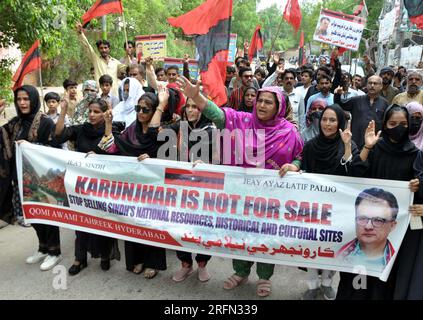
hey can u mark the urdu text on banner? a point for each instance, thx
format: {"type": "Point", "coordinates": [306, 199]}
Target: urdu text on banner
{"type": "Point", "coordinates": [306, 220]}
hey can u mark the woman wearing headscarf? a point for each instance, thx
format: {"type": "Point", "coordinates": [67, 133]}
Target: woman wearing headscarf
{"type": "Point", "coordinates": [409, 283]}
{"type": "Point", "coordinates": [140, 140]}
{"type": "Point", "coordinates": [130, 92]}
{"type": "Point", "coordinates": [282, 147]}
{"type": "Point", "coordinates": [31, 125]}
{"type": "Point", "coordinates": [6, 190]}
{"type": "Point", "coordinates": [313, 115]}
{"type": "Point", "coordinates": [89, 92]}
{"type": "Point", "coordinates": [415, 110]}
{"type": "Point", "coordinates": [86, 137]}
{"type": "Point", "coordinates": [247, 103]}
{"type": "Point", "coordinates": [390, 157]}
{"type": "Point", "coordinates": [202, 128]}
{"type": "Point", "coordinates": [330, 152]}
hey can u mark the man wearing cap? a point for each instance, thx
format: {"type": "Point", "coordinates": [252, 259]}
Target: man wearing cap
{"type": "Point", "coordinates": [388, 91]}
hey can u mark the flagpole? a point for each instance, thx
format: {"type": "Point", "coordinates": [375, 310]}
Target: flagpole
{"type": "Point", "coordinates": [126, 36]}
{"type": "Point", "coordinates": [274, 39]}
{"type": "Point", "coordinates": [41, 82]}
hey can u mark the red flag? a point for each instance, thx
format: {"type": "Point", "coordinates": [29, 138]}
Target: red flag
{"type": "Point", "coordinates": [256, 43]}
{"type": "Point", "coordinates": [292, 14]}
{"type": "Point", "coordinates": [210, 23]}
{"type": "Point", "coordinates": [361, 10]}
{"type": "Point", "coordinates": [101, 8]}
{"type": "Point", "coordinates": [30, 62]}
{"type": "Point", "coordinates": [415, 12]}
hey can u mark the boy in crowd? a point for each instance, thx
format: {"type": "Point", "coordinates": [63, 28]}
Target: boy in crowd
{"type": "Point", "coordinates": [106, 83]}
{"type": "Point", "coordinates": [52, 100]}
{"type": "Point", "coordinates": [71, 91]}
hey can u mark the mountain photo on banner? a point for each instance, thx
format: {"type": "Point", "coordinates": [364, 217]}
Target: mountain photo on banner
{"type": "Point", "coordinates": [210, 23]}
{"type": "Point", "coordinates": [101, 8]}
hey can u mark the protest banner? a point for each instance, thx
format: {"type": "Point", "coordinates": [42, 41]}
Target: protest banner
{"type": "Point", "coordinates": [339, 29]}
{"type": "Point", "coordinates": [232, 47]}
{"type": "Point", "coordinates": [192, 66]}
{"type": "Point", "coordinates": [387, 25]}
{"type": "Point", "coordinates": [306, 220]}
{"type": "Point", "coordinates": [151, 46]}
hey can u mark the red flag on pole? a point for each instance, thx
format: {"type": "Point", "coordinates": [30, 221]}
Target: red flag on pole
{"type": "Point", "coordinates": [292, 14]}
{"type": "Point", "coordinates": [256, 43]}
{"type": "Point", "coordinates": [210, 24]}
{"type": "Point", "coordinates": [415, 12]}
{"type": "Point", "coordinates": [101, 8]}
{"type": "Point", "coordinates": [30, 62]}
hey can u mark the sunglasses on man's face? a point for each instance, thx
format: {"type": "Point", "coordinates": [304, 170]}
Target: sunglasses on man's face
{"type": "Point", "coordinates": [141, 109]}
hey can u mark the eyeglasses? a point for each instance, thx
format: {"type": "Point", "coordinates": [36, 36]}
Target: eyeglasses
{"type": "Point", "coordinates": [377, 222]}
{"type": "Point", "coordinates": [248, 76]}
{"type": "Point", "coordinates": [133, 74]}
{"type": "Point", "coordinates": [138, 109]}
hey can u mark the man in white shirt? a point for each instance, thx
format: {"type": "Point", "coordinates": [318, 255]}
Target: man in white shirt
{"type": "Point", "coordinates": [103, 63]}
{"type": "Point", "coordinates": [287, 79]}
{"type": "Point", "coordinates": [306, 79]}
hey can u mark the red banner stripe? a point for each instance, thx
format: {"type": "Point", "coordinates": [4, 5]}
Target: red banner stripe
{"type": "Point", "coordinates": [194, 184]}
{"type": "Point", "coordinates": [208, 174]}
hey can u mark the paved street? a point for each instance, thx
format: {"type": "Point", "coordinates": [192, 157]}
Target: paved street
{"type": "Point", "coordinates": [22, 281]}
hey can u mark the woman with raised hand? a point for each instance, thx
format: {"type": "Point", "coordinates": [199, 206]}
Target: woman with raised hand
{"type": "Point", "coordinates": [86, 137]}
{"type": "Point", "coordinates": [332, 152]}
{"type": "Point", "coordinates": [388, 154]}
{"type": "Point", "coordinates": [140, 140]}
{"type": "Point", "coordinates": [282, 150]}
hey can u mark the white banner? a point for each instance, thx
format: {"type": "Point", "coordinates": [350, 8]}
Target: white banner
{"type": "Point", "coordinates": [307, 220]}
{"type": "Point", "coordinates": [339, 29]}
{"type": "Point", "coordinates": [387, 25]}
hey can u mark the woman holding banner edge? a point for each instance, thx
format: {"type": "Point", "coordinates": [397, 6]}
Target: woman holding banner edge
{"type": "Point", "coordinates": [283, 146]}
{"type": "Point", "coordinates": [86, 137]}
{"type": "Point", "coordinates": [333, 152]}
{"type": "Point", "coordinates": [379, 156]}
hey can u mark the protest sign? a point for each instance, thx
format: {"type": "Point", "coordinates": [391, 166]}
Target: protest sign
{"type": "Point", "coordinates": [192, 66]}
{"type": "Point", "coordinates": [232, 47]}
{"type": "Point", "coordinates": [306, 220]}
{"type": "Point", "coordinates": [339, 29]}
{"type": "Point", "coordinates": [151, 46]}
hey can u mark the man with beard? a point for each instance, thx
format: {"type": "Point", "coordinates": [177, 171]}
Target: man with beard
{"type": "Point", "coordinates": [103, 64]}
{"type": "Point", "coordinates": [246, 76]}
{"type": "Point", "coordinates": [413, 93]}
{"type": "Point", "coordinates": [388, 91]}
{"type": "Point", "coordinates": [364, 108]}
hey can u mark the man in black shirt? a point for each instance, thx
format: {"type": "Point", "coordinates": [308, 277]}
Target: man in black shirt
{"type": "Point", "coordinates": [365, 108]}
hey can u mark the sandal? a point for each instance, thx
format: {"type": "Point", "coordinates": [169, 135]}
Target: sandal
{"type": "Point", "coordinates": [264, 288]}
{"type": "Point", "coordinates": [150, 273]}
{"type": "Point", "coordinates": [138, 268]}
{"type": "Point", "coordinates": [234, 281]}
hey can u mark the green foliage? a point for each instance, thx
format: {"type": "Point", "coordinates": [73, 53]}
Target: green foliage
{"type": "Point", "coordinates": [5, 79]}
{"type": "Point", "coordinates": [53, 22]}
